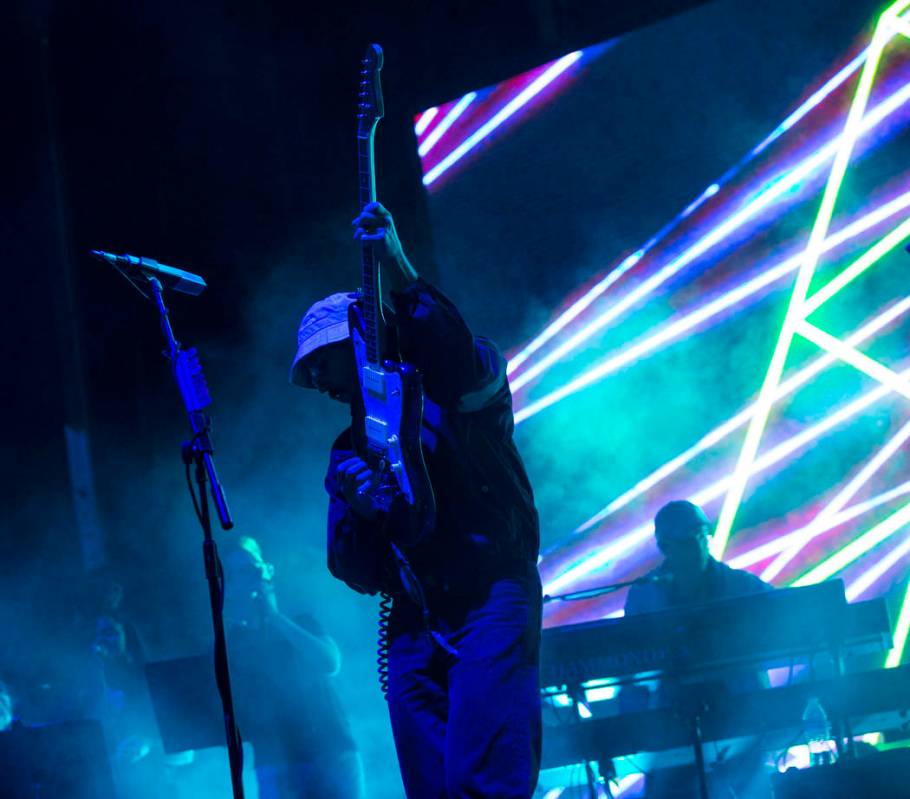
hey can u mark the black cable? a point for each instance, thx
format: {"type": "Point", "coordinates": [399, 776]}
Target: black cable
{"type": "Point", "coordinates": [189, 448]}
{"type": "Point", "coordinates": [219, 576]}
{"type": "Point", "coordinates": [382, 660]}
{"type": "Point", "coordinates": [132, 281]}
{"type": "Point", "coordinates": [608, 790]}
{"type": "Point", "coordinates": [635, 765]}
{"type": "Point", "coordinates": [561, 715]}
{"type": "Point", "coordinates": [189, 485]}
{"type": "Point", "coordinates": [414, 589]}
{"type": "Point", "coordinates": [783, 753]}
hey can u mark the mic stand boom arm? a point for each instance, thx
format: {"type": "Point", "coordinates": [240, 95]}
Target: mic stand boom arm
{"type": "Point", "coordinates": [590, 593]}
{"type": "Point", "coordinates": [187, 373]}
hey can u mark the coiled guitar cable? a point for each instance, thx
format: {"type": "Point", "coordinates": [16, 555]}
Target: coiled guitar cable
{"type": "Point", "coordinates": [414, 590]}
{"type": "Point", "coordinates": [382, 660]}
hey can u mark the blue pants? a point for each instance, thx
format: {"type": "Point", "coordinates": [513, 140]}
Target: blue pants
{"type": "Point", "coordinates": [469, 726]}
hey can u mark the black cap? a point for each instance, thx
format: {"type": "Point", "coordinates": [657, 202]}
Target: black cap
{"type": "Point", "coordinates": [680, 519]}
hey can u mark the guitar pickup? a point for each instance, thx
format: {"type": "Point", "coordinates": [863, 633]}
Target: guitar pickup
{"type": "Point", "coordinates": [373, 380]}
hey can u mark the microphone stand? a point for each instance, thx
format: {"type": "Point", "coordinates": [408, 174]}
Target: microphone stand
{"type": "Point", "coordinates": [198, 451]}
{"type": "Point", "coordinates": [590, 593]}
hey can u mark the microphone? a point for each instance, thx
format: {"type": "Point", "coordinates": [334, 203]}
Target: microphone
{"type": "Point", "coordinates": [170, 277]}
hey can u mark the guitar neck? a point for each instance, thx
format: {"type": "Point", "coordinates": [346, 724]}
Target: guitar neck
{"type": "Point", "coordinates": [369, 264]}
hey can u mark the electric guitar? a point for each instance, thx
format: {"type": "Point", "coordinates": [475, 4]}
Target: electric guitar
{"type": "Point", "coordinates": [392, 391]}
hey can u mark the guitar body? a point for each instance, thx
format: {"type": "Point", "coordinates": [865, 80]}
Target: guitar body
{"type": "Point", "coordinates": [391, 391]}
{"type": "Point", "coordinates": [392, 396]}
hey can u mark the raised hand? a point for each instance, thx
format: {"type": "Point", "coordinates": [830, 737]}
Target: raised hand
{"type": "Point", "coordinates": [375, 225]}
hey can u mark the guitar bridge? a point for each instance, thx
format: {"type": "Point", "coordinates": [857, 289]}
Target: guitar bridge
{"type": "Point", "coordinates": [377, 432]}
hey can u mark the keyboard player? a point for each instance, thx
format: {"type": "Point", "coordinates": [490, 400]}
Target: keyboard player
{"type": "Point", "coordinates": [689, 575]}
{"type": "Point", "coordinates": [682, 533]}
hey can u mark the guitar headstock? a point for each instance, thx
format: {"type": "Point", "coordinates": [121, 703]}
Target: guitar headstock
{"type": "Point", "coordinates": [370, 108]}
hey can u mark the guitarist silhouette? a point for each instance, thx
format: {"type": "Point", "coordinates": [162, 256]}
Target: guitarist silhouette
{"type": "Point", "coordinates": [456, 549]}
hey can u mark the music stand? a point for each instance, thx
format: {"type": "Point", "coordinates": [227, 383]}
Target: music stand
{"type": "Point", "coordinates": [187, 708]}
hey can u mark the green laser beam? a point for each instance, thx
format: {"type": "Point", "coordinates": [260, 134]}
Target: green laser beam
{"type": "Point", "coordinates": [856, 548]}
{"type": "Point", "coordinates": [896, 655]}
{"type": "Point", "coordinates": [796, 310]}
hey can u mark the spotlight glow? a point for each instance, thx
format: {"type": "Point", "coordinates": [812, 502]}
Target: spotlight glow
{"type": "Point", "coordinates": [815, 100]}
{"type": "Point", "coordinates": [896, 655]}
{"type": "Point", "coordinates": [891, 447]}
{"type": "Point", "coordinates": [796, 381]}
{"type": "Point", "coordinates": [674, 330]}
{"type": "Point", "coordinates": [575, 310]}
{"type": "Point", "coordinates": [868, 259]}
{"type": "Point", "coordinates": [514, 105]}
{"type": "Point", "coordinates": [900, 26]}
{"type": "Point", "coordinates": [624, 543]}
{"type": "Point", "coordinates": [872, 575]}
{"type": "Point", "coordinates": [447, 121]}
{"type": "Point", "coordinates": [856, 359]}
{"type": "Point", "coordinates": [803, 535]}
{"type": "Point", "coordinates": [707, 245]}
{"type": "Point", "coordinates": [852, 130]}
{"type": "Point", "coordinates": [580, 305]}
{"type": "Point", "coordinates": [771, 192]}
{"type": "Point", "coordinates": [857, 548]}
{"type": "Point", "coordinates": [628, 783]}
{"type": "Point", "coordinates": [424, 120]}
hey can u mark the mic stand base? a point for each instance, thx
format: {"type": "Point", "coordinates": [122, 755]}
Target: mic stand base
{"type": "Point", "coordinates": [214, 575]}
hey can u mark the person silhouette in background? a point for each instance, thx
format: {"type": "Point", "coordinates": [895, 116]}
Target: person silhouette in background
{"type": "Point", "coordinates": [282, 670]}
{"type": "Point", "coordinates": [115, 671]}
{"type": "Point", "coordinates": [690, 575]}
{"type": "Point", "coordinates": [682, 532]}
{"type": "Point", "coordinates": [7, 715]}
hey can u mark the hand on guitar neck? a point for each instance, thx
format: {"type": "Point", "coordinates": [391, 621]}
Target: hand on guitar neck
{"type": "Point", "coordinates": [357, 480]}
{"type": "Point", "coordinates": [376, 228]}
{"type": "Point", "coordinates": [391, 391]}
